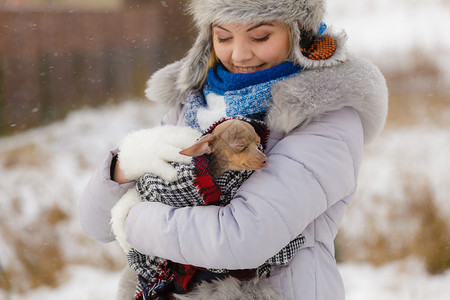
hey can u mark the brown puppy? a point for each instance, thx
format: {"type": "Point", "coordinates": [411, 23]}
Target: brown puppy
{"type": "Point", "coordinates": [232, 145]}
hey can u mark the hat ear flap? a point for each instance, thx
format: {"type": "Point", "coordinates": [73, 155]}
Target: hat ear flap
{"type": "Point", "coordinates": [193, 69]}
{"type": "Point", "coordinates": [296, 56]}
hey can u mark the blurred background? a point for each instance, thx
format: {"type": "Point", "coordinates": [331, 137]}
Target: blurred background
{"type": "Point", "coordinates": [72, 80]}
{"type": "Point", "coordinates": [57, 56]}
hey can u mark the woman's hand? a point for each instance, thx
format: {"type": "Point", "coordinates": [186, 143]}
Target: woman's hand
{"type": "Point", "coordinates": [118, 174]}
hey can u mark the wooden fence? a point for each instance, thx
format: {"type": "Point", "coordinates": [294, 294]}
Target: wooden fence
{"type": "Point", "coordinates": [53, 62]}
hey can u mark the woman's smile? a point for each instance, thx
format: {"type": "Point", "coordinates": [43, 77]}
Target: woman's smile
{"type": "Point", "coordinates": [241, 69]}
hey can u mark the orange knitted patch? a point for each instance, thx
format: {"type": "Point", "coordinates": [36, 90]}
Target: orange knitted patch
{"type": "Point", "coordinates": [321, 48]}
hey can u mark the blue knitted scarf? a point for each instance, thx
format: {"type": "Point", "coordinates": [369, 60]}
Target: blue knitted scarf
{"type": "Point", "coordinates": [226, 94]}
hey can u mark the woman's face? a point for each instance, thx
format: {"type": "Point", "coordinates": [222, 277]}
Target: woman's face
{"type": "Point", "coordinates": [252, 47]}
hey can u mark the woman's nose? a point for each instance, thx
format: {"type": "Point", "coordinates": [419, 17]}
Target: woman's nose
{"type": "Point", "coordinates": [241, 52]}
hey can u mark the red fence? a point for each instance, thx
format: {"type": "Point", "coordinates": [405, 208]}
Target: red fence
{"type": "Point", "coordinates": [52, 62]}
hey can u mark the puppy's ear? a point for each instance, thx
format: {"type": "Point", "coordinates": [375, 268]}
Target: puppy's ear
{"type": "Point", "coordinates": [202, 146]}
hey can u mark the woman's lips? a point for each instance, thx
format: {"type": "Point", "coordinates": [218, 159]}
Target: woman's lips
{"type": "Point", "coordinates": [247, 69]}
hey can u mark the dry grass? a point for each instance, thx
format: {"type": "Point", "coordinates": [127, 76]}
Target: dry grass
{"type": "Point", "coordinates": [29, 155]}
{"type": "Point", "coordinates": [54, 215]}
{"type": "Point", "coordinates": [432, 242]}
{"type": "Point", "coordinates": [40, 259]}
{"type": "Point", "coordinates": [39, 254]}
{"type": "Point", "coordinates": [419, 108]}
{"type": "Point", "coordinates": [418, 94]}
{"type": "Point", "coordinates": [429, 241]}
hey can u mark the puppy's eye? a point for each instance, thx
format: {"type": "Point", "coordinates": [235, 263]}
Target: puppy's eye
{"type": "Point", "coordinates": [260, 147]}
{"type": "Point", "coordinates": [240, 147]}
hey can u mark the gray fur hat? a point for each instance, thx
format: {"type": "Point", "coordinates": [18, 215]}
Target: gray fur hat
{"type": "Point", "coordinates": [309, 13]}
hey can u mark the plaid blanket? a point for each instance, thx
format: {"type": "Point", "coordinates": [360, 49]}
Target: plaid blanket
{"type": "Point", "coordinates": [194, 186]}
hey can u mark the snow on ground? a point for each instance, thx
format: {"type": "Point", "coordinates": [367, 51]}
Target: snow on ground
{"type": "Point", "coordinates": [397, 281]}
{"type": "Point", "coordinates": [83, 283]}
{"type": "Point", "coordinates": [403, 280]}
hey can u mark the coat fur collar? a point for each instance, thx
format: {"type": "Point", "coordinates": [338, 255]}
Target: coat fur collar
{"type": "Point", "coordinates": [297, 101]}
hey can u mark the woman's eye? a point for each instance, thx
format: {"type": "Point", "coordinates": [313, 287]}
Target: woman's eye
{"type": "Point", "coordinates": [262, 39]}
{"type": "Point", "coordinates": [223, 39]}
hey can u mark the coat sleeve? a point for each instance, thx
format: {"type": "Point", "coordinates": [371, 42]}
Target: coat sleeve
{"type": "Point", "coordinates": [309, 170]}
{"type": "Point", "coordinates": [99, 196]}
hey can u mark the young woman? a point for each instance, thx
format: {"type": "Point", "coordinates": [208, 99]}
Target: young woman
{"type": "Point", "coordinates": [271, 60]}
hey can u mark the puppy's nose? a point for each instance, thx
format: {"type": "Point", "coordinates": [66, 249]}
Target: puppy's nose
{"type": "Point", "coordinates": [264, 161]}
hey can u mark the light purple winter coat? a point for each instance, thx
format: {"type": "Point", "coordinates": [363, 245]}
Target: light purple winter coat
{"type": "Point", "coordinates": [319, 122]}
